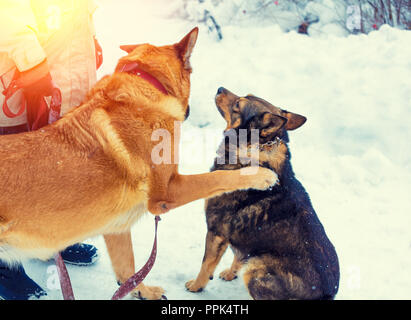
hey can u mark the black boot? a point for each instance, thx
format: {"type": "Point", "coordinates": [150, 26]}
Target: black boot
{"type": "Point", "coordinates": [80, 254]}
{"type": "Point", "coordinates": [16, 285]}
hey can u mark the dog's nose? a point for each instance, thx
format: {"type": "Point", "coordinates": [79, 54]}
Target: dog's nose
{"type": "Point", "coordinates": [220, 90]}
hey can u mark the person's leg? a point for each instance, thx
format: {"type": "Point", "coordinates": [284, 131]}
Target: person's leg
{"type": "Point", "coordinates": [15, 284]}
{"type": "Point", "coordinates": [13, 130]}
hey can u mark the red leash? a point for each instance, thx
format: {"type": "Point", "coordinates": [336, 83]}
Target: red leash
{"type": "Point", "coordinates": [138, 277]}
{"type": "Point", "coordinates": [8, 92]}
{"type": "Point", "coordinates": [64, 277]}
{"type": "Point", "coordinates": [124, 289]}
{"type": "Point", "coordinates": [41, 107]}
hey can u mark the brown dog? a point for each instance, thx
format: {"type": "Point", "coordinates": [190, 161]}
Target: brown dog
{"type": "Point", "coordinates": [92, 173]}
{"type": "Point", "coordinates": [275, 232]}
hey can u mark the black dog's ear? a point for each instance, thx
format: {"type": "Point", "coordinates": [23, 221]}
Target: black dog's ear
{"type": "Point", "coordinates": [294, 120]}
{"type": "Point", "coordinates": [272, 123]}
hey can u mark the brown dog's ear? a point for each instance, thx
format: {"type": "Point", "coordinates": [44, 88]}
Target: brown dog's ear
{"type": "Point", "coordinates": [272, 123]}
{"type": "Point", "coordinates": [128, 47]}
{"type": "Point", "coordinates": [294, 120]}
{"type": "Point", "coordinates": [185, 47]}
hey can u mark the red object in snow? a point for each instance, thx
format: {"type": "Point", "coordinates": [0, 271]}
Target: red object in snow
{"type": "Point", "coordinates": [276, 3]}
{"type": "Point", "coordinates": [374, 26]}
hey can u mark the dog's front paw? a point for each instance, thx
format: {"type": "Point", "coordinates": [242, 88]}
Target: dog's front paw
{"type": "Point", "coordinates": [228, 275]}
{"type": "Point", "coordinates": [149, 293]}
{"type": "Point", "coordinates": [260, 178]}
{"type": "Point", "coordinates": [193, 286]}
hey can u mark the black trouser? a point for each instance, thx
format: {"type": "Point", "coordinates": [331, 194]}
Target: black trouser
{"type": "Point", "coordinates": [6, 270]}
{"type": "Point", "coordinates": [13, 130]}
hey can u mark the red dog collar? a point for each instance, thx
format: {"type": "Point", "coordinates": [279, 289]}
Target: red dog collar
{"type": "Point", "coordinates": [133, 68]}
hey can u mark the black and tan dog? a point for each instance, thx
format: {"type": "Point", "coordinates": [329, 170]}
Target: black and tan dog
{"type": "Point", "coordinates": [276, 232]}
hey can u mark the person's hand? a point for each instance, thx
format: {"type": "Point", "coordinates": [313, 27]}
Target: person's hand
{"type": "Point", "coordinates": [43, 87]}
{"type": "Point", "coordinates": [99, 53]}
{"type": "Point", "coordinates": [37, 84]}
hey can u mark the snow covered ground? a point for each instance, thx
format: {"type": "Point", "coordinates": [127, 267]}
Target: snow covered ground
{"type": "Point", "coordinates": [353, 155]}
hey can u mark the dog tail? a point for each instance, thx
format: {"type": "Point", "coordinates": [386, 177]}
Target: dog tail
{"type": "Point", "coordinates": [262, 284]}
{"type": "Point", "coordinates": [265, 279]}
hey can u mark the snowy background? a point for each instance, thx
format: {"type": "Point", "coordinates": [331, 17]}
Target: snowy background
{"type": "Point", "coordinates": [353, 155]}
